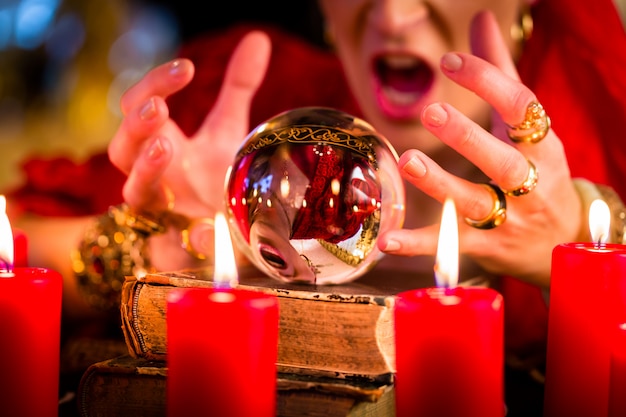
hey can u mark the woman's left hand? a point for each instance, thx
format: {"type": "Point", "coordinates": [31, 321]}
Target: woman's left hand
{"type": "Point", "coordinates": [537, 221]}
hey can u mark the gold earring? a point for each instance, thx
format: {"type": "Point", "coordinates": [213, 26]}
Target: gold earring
{"type": "Point", "coordinates": [522, 30]}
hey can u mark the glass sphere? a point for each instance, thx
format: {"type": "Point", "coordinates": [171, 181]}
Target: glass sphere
{"type": "Point", "coordinates": [310, 191]}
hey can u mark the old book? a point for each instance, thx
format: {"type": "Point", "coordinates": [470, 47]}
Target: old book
{"type": "Point", "coordinates": [342, 330]}
{"type": "Point", "coordinates": [127, 386]}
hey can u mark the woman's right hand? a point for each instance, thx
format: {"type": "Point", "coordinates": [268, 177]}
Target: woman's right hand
{"type": "Point", "coordinates": [168, 170]}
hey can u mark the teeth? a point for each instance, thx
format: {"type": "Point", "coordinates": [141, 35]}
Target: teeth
{"type": "Point", "coordinates": [400, 61]}
{"type": "Point", "coordinates": [399, 97]}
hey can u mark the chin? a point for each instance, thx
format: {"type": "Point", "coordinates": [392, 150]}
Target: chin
{"type": "Point", "coordinates": [406, 134]}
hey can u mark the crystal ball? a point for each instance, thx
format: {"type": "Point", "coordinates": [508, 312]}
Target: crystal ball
{"type": "Point", "coordinates": [309, 193]}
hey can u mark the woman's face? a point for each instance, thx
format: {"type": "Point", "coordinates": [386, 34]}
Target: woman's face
{"type": "Point", "coordinates": [391, 50]}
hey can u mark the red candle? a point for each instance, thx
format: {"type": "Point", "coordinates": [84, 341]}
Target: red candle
{"type": "Point", "coordinates": [222, 345]}
{"type": "Point", "coordinates": [617, 377]}
{"type": "Point", "coordinates": [30, 322]}
{"type": "Point", "coordinates": [617, 381]}
{"type": "Point", "coordinates": [584, 298]}
{"type": "Point", "coordinates": [449, 343]}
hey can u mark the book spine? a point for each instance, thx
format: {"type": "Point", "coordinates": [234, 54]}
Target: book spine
{"type": "Point", "coordinates": [145, 337]}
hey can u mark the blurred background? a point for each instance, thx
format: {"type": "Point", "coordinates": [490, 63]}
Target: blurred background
{"type": "Point", "coordinates": [65, 63]}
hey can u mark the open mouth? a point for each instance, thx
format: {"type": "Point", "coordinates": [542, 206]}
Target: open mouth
{"type": "Point", "coordinates": [402, 80]}
{"type": "Point", "coordinates": [272, 256]}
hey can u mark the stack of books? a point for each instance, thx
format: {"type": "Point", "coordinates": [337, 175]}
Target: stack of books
{"type": "Point", "coordinates": [336, 347]}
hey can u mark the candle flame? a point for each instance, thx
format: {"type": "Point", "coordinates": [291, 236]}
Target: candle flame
{"type": "Point", "coordinates": [6, 238]}
{"type": "Point", "coordinates": [447, 262]}
{"type": "Point", "coordinates": [599, 222]}
{"type": "Point", "coordinates": [225, 275]}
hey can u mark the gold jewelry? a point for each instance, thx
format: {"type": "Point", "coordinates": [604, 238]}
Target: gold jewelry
{"type": "Point", "coordinates": [529, 183]}
{"type": "Point", "coordinates": [186, 238]}
{"type": "Point", "coordinates": [522, 30]}
{"type": "Point", "coordinates": [498, 212]}
{"type": "Point", "coordinates": [171, 198]}
{"type": "Point", "coordinates": [534, 128]}
{"type": "Point", "coordinates": [112, 248]}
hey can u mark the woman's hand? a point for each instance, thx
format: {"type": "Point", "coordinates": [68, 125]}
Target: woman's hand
{"type": "Point", "coordinates": [536, 222]}
{"type": "Point", "coordinates": [167, 170]}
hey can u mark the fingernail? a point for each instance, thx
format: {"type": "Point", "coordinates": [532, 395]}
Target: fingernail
{"type": "Point", "coordinates": [415, 167]}
{"type": "Point", "coordinates": [176, 67]}
{"type": "Point", "coordinates": [155, 150]}
{"type": "Point", "coordinates": [392, 245]}
{"type": "Point", "coordinates": [435, 115]}
{"type": "Point", "coordinates": [148, 111]}
{"type": "Point", "coordinates": [451, 62]}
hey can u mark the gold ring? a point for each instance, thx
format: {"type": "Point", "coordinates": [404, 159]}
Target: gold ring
{"type": "Point", "coordinates": [185, 236]}
{"type": "Point", "coordinates": [529, 183]}
{"type": "Point", "coordinates": [534, 128]}
{"type": "Point", "coordinates": [171, 198]}
{"type": "Point", "coordinates": [498, 212]}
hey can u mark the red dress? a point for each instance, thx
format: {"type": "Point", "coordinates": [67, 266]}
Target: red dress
{"type": "Point", "coordinates": [575, 63]}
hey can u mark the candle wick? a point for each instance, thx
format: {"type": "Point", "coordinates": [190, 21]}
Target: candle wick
{"type": "Point", "coordinates": [225, 285]}
{"type": "Point", "coordinates": [600, 244]}
{"type": "Point", "coordinates": [5, 266]}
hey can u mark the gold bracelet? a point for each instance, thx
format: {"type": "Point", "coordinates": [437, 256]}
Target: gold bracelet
{"type": "Point", "coordinates": [588, 192]}
{"type": "Point", "coordinates": [114, 247]}
{"type": "Point", "coordinates": [618, 213]}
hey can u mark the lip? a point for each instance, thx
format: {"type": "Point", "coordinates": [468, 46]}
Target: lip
{"type": "Point", "coordinates": [401, 81]}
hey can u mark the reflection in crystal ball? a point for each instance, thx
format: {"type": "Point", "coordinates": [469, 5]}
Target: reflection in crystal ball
{"type": "Point", "coordinates": [309, 193]}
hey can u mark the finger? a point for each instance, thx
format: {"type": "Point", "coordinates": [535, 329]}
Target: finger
{"type": "Point", "coordinates": [141, 122]}
{"type": "Point", "coordinates": [488, 43]}
{"type": "Point", "coordinates": [244, 74]}
{"type": "Point", "coordinates": [162, 81]}
{"type": "Point", "coordinates": [500, 162]}
{"type": "Point", "coordinates": [144, 189]}
{"type": "Point", "coordinates": [407, 242]}
{"type": "Point", "coordinates": [508, 97]}
{"type": "Point", "coordinates": [472, 200]}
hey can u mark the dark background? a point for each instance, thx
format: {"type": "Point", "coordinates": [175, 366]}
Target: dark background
{"type": "Point", "coordinates": [301, 17]}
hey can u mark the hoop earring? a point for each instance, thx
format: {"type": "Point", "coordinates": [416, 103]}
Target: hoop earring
{"type": "Point", "coordinates": [522, 30]}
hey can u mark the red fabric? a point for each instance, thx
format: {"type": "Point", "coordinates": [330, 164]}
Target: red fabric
{"type": "Point", "coordinates": [576, 64]}
{"type": "Point", "coordinates": [340, 221]}
{"type": "Point", "coordinates": [62, 187]}
{"type": "Point", "coordinates": [299, 75]}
